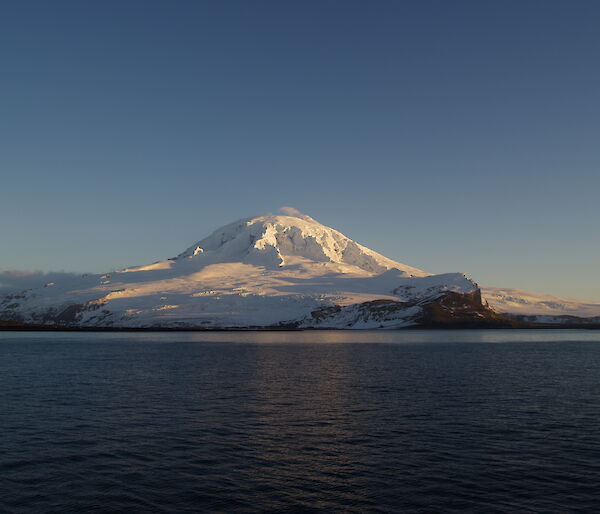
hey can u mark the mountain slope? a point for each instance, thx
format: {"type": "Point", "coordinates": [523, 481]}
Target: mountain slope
{"type": "Point", "coordinates": [540, 308]}
{"type": "Point", "coordinates": [276, 241]}
{"type": "Point", "coordinates": [266, 271]}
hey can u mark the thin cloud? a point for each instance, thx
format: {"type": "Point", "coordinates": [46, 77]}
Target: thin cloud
{"type": "Point", "coordinates": [12, 281]}
{"type": "Point", "coordinates": [292, 211]}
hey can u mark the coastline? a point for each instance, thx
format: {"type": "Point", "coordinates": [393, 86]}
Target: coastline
{"type": "Point", "coordinates": [16, 327]}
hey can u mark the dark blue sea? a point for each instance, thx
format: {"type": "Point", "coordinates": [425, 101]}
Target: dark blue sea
{"type": "Point", "coordinates": [388, 421]}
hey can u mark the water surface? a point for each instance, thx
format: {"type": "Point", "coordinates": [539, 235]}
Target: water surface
{"type": "Point", "coordinates": [387, 421]}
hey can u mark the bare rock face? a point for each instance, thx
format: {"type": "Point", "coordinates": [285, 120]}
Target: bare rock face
{"type": "Point", "coordinates": [454, 310]}
{"type": "Point", "coordinates": [448, 310]}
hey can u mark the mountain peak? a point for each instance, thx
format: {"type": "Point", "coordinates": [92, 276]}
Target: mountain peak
{"type": "Point", "coordinates": [287, 239]}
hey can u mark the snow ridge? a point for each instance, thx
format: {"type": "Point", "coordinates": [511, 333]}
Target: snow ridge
{"type": "Point", "coordinates": [277, 240]}
{"type": "Point", "coordinates": [526, 303]}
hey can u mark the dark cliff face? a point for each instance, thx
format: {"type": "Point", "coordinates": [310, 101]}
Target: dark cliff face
{"type": "Point", "coordinates": [456, 310]}
{"type": "Point", "coordinates": [451, 310]}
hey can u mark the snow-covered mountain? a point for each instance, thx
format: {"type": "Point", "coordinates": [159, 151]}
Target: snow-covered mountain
{"type": "Point", "coordinates": [286, 271]}
{"type": "Point", "coordinates": [266, 271]}
{"type": "Point", "coordinates": [540, 308]}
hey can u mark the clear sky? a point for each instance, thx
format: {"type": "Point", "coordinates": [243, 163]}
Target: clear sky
{"type": "Point", "coordinates": [448, 135]}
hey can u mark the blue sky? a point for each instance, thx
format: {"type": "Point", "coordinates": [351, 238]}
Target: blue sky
{"type": "Point", "coordinates": [452, 136]}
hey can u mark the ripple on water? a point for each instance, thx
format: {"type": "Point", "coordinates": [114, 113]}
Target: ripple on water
{"type": "Point", "coordinates": [308, 421]}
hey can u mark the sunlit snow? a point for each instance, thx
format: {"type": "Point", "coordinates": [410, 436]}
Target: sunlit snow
{"type": "Point", "coordinates": [255, 272]}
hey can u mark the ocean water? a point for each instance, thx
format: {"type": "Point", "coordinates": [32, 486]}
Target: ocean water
{"type": "Point", "coordinates": [394, 421]}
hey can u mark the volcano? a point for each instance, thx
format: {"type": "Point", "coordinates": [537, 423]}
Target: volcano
{"type": "Point", "coordinates": [272, 271]}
